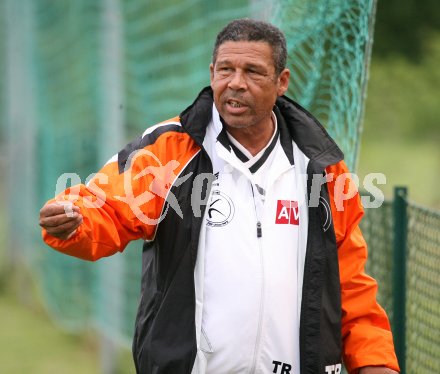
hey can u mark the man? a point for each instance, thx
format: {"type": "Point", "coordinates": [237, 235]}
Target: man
{"type": "Point", "coordinates": [253, 259]}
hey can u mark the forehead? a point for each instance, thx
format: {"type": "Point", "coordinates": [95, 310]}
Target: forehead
{"type": "Point", "coordinates": [245, 52]}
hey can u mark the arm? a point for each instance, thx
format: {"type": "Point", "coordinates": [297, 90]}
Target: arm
{"type": "Point", "coordinates": [98, 223]}
{"type": "Point", "coordinates": [119, 204]}
{"type": "Point", "coordinates": [366, 334]}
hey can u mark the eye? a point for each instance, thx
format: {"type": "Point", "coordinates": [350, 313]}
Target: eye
{"type": "Point", "coordinates": [225, 69]}
{"type": "Point", "coordinates": [254, 72]}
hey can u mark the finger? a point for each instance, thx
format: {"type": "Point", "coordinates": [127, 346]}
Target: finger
{"type": "Point", "coordinates": [56, 208]}
{"type": "Point", "coordinates": [60, 219]}
{"type": "Point", "coordinates": [69, 208]}
{"type": "Point", "coordinates": [63, 231]}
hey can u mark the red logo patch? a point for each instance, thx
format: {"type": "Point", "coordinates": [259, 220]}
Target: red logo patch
{"type": "Point", "coordinates": [287, 212]}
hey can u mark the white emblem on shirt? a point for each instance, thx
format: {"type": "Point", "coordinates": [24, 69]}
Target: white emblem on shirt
{"type": "Point", "coordinates": [220, 210]}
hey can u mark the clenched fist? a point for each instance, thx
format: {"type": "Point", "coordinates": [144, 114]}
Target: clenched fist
{"type": "Point", "coordinates": [60, 219]}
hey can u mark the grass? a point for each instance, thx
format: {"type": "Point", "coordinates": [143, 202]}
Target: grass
{"type": "Point", "coordinates": [31, 343]}
{"type": "Point", "coordinates": [412, 164]}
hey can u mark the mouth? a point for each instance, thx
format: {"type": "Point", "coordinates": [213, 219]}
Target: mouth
{"type": "Point", "coordinates": [235, 103]}
{"type": "Point", "coordinates": [236, 107]}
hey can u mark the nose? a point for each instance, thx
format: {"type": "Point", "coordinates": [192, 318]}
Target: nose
{"type": "Point", "coordinates": [237, 81]}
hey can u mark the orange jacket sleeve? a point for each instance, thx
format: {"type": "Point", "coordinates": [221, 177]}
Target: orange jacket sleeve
{"type": "Point", "coordinates": [366, 333]}
{"type": "Point", "coordinates": [118, 207]}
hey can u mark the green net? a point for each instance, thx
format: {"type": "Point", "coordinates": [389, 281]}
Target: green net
{"type": "Point", "coordinates": [329, 45]}
{"type": "Point", "coordinates": [422, 285]}
{"type": "Point", "coordinates": [423, 291]}
{"type": "Point", "coordinates": [2, 71]}
{"type": "Point", "coordinates": [76, 70]}
{"type": "Point", "coordinates": [167, 54]}
{"type": "Point", "coordinates": [65, 37]}
{"type": "Point", "coordinates": [377, 227]}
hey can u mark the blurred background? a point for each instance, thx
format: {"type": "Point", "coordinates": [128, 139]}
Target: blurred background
{"type": "Point", "coordinates": [79, 79]}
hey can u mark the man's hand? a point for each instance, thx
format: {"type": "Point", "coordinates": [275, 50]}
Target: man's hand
{"type": "Point", "coordinates": [376, 370]}
{"type": "Point", "coordinates": [60, 219]}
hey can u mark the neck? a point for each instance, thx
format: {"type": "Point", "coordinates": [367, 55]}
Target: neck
{"type": "Point", "coordinates": [253, 138]}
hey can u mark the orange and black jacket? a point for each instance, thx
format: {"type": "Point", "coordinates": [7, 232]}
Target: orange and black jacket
{"type": "Point", "coordinates": [340, 317]}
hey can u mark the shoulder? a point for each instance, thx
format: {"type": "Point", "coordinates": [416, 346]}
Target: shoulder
{"type": "Point", "coordinates": [163, 142]}
{"type": "Point", "coordinates": [153, 132]}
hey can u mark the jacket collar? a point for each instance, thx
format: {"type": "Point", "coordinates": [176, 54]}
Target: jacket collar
{"type": "Point", "coordinates": [196, 117]}
{"type": "Point", "coordinates": [310, 136]}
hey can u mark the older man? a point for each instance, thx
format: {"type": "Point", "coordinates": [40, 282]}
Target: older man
{"type": "Point", "coordinates": [253, 259]}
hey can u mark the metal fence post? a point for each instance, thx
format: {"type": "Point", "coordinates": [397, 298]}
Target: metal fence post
{"type": "Point", "coordinates": [111, 138]}
{"type": "Point", "coordinates": [21, 134]}
{"type": "Point", "coordinates": [400, 220]}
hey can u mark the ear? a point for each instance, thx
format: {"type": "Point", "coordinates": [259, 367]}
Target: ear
{"type": "Point", "coordinates": [211, 72]}
{"type": "Point", "coordinates": [283, 82]}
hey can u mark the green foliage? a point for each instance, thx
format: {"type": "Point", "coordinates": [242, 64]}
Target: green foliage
{"type": "Point", "coordinates": [404, 27]}
{"type": "Point", "coordinates": [402, 125]}
{"type": "Point", "coordinates": [403, 98]}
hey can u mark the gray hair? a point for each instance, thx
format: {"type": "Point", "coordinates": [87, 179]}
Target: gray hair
{"type": "Point", "coordinates": [251, 30]}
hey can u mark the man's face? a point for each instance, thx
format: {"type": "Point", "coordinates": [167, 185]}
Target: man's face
{"type": "Point", "coordinates": [245, 83]}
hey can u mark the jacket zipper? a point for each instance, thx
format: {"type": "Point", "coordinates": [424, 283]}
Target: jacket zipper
{"type": "Point", "coordinates": [259, 227]}
{"type": "Point", "coordinates": [261, 310]}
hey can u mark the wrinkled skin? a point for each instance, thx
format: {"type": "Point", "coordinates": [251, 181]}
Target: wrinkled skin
{"type": "Point", "coordinates": [246, 86]}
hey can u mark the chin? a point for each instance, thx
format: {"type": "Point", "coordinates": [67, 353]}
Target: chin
{"type": "Point", "coordinates": [234, 122]}
{"type": "Point", "coordinates": [236, 125]}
